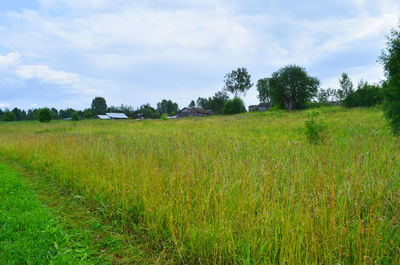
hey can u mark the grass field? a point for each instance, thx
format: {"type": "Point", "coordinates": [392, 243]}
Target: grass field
{"type": "Point", "coordinates": [29, 234]}
{"type": "Point", "coordinates": [245, 189]}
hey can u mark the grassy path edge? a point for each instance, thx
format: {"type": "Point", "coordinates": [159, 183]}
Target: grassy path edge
{"type": "Point", "coordinates": [104, 241]}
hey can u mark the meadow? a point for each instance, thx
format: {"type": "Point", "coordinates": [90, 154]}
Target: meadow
{"type": "Point", "coordinates": [244, 189]}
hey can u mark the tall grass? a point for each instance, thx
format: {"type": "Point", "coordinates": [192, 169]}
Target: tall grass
{"type": "Point", "coordinates": [245, 189]}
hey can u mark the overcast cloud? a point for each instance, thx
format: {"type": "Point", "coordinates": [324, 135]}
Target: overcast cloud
{"type": "Point", "coordinates": [63, 53]}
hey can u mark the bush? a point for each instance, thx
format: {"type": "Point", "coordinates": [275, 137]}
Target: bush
{"type": "Point", "coordinates": [314, 128]}
{"type": "Point", "coordinates": [75, 116]}
{"type": "Point", "coordinates": [9, 116]}
{"type": "Point", "coordinates": [234, 106]}
{"type": "Point", "coordinates": [45, 115]}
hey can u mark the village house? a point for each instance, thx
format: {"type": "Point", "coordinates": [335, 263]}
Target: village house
{"type": "Point", "coordinates": [260, 107]}
{"type": "Point", "coordinates": [194, 112]}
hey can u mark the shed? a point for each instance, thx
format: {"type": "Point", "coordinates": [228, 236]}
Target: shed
{"type": "Point", "coordinates": [194, 112]}
{"type": "Point", "coordinates": [253, 107]}
{"type": "Point", "coordinates": [103, 117]}
{"type": "Point", "coordinates": [264, 106]}
{"type": "Point", "coordinates": [117, 116]}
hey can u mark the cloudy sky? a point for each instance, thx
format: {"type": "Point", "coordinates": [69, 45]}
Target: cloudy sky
{"type": "Point", "coordinates": [63, 53]}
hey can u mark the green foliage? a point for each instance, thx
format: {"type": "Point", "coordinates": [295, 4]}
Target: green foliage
{"type": "Point", "coordinates": [45, 115]}
{"type": "Point", "coordinates": [366, 95]}
{"type": "Point", "coordinates": [314, 128]}
{"type": "Point", "coordinates": [291, 87]}
{"type": "Point", "coordinates": [192, 104]}
{"type": "Point", "coordinates": [215, 103]}
{"type": "Point", "coordinates": [346, 87]}
{"type": "Point", "coordinates": [234, 106]}
{"type": "Point", "coordinates": [9, 116]}
{"type": "Point", "coordinates": [148, 112]}
{"type": "Point", "coordinates": [390, 59]}
{"type": "Point", "coordinates": [263, 90]}
{"type": "Point", "coordinates": [238, 82]}
{"type": "Point", "coordinates": [167, 107]}
{"type": "Point", "coordinates": [99, 106]}
{"type": "Point", "coordinates": [327, 95]}
{"type": "Point", "coordinates": [75, 116]}
{"type": "Point", "coordinates": [19, 114]}
{"type": "Point", "coordinates": [29, 235]}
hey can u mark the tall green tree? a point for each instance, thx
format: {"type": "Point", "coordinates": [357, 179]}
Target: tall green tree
{"type": "Point", "coordinates": [234, 106]}
{"type": "Point", "coordinates": [214, 103]}
{"type": "Point", "coordinates": [291, 87]}
{"type": "Point", "coordinates": [238, 82]}
{"type": "Point", "coordinates": [263, 90]}
{"type": "Point", "coordinates": [167, 107]}
{"type": "Point", "coordinates": [99, 106]}
{"type": "Point", "coordinates": [45, 115]}
{"type": "Point", "coordinates": [192, 104]}
{"type": "Point", "coordinates": [9, 116]}
{"type": "Point", "coordinates": [390, 59]}
{"type": "Point", "coordinates": [346, 87]}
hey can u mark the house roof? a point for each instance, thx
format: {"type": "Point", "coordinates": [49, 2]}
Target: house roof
{"type": "Point", "coordinates": [195, 110]}
{"type": "Point", "coordinates": [117, 115]}
{"type": "Point", "coordinates": [103, 117]}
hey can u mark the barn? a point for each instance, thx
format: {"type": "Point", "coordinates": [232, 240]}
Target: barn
{"type": "Point", "coordinates": [194, 112]}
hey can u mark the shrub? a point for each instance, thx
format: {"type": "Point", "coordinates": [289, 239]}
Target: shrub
{"type": "Point", "coordinates": [314, 128]}
{"type": "Point", "coordinates": [9, 116]}
{"type": "Point", "coordinates": [45, 115]}
{"type": "Point", "coordinates": [234, 106]}
{"type": "Point", "coordinates": [75, 116]}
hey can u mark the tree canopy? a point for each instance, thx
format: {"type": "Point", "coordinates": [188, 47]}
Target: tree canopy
{"type": "Point", "coordinates": [238, 81]}
{"type": "Point", "coordinates": [263, 91]}
{"type": "Point", "coordinates": [291, 87]}
{"type": "Point", "coordinates": [234, 106]}
{"type": "Point", "coordinates": [390, 59]}
{"type": "Point", "coordinates": [99, 106]}
{"type": "Point", "coordinates": [346, 87]}
{"type": "Point", "coordinates": [45, 115]}
{"type": "Point", "coordinates": [215, 103]}
{"type": "Point", "coordinates": [167, 107]}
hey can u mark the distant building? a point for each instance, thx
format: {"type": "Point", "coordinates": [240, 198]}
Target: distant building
{"type": "Point", "coordinates": [260, 107]}
{"type": "Point", "coordinates": [112, 116]}
{"type": "Point", "coordinates": [194, 112]}
{"type": "Point", "coordinates": [264, 106]}
{"type": "Point", "coordinates": [103, 117]}
{"type": "Point", "coordinates": [253, 107]}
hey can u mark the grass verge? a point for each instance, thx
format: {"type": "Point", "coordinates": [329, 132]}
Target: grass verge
{"type": "Point", "coordinates": [29, 234]}
{"type": "Point", "coordinates": [90, 237]}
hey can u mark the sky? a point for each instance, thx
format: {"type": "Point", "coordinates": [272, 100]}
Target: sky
{"type": "Point", "coordinates": [63, 53]}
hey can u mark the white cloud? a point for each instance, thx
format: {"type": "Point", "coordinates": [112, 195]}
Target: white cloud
{"type": "Point", "coordinates": [111, 41]}
{"type": "Point", "coordinates": [9, 59]}
{"type": "Point", "coordinates": [45, 74]}
{"type": "Point", "coordinates": [4, 105]}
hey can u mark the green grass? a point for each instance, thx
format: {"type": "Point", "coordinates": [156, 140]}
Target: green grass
{"type": "Point", "coordinates": [246, 189]}
{"type": "Point", "coordinates": [29, 234]}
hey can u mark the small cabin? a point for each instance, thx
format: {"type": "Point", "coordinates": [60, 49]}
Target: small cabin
{"type": "Point", "coordinates": [260, 107]}
{"type": "Point", "coordinates": [194, 112]}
